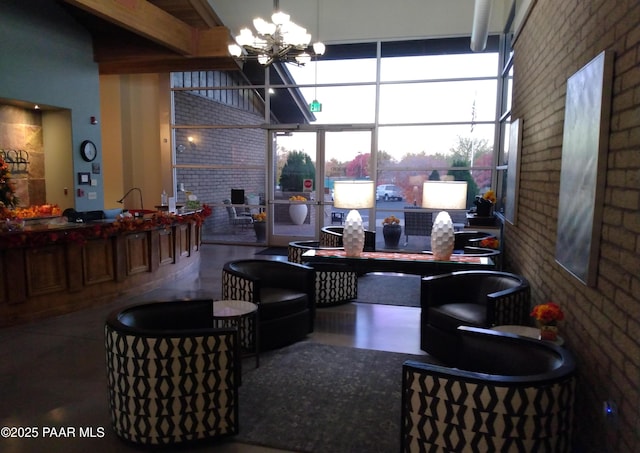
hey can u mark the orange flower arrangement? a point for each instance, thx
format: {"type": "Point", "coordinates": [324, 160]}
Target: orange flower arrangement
{"type": "Point", "coordinates": [490, 243]}
{"type": "Point", "coordinates": [391, 220]}
{"type": "Point", "coordinates": [260, 217]}
{"type": "Point", "coordinates": [297, 198]}
{"type": "Point", "coordinates": [549, 313]}
{"type": "Point", "coordinates": [490, 195]}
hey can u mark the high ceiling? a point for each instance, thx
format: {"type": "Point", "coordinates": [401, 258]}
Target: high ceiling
{"type": "Point", "coordinates": [137, 36]}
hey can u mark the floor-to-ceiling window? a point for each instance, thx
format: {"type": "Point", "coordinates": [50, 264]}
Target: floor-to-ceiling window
{"type": "Point", "coordinates": [430, 103]}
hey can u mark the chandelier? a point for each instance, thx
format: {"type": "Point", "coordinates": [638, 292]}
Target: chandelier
{"type": "Point", "coordinates": [278, 40]}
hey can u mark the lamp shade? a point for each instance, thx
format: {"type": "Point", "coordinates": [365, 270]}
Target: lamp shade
{"type": "Point", "coordinates": [353, 194]}
{"type": "Point", "coordinates": [444, 195]}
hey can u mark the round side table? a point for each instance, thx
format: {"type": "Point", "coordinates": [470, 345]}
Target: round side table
{"type": "Point", "coordinates": [525, 331]}
{"type": "Point", "coordinates": [244, 316]}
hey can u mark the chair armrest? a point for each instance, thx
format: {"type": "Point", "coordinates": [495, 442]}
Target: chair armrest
{"type": "Point", "coordinates": [239, 286]}
{"type": "Point", "coordinates": [510, 306]}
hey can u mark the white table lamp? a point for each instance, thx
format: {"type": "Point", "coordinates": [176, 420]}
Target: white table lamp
{"type": "Point", "coordinates": [443, 195]}
{"type": "Point", "coordinates": [353, 195]}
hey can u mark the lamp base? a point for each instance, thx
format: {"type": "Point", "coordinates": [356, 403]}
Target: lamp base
{"type": "Point", "coordinates": [353, 234]}
{"type": "Point", "coordinates": [442, 237]}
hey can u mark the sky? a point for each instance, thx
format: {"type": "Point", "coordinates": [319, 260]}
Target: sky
{"type": "Point", "coordinates": [436, 101]}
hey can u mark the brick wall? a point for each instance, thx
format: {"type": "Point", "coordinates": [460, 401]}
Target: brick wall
{"type": "Point", "coordinates": [602, 324]}
{"type": "Point", "coordinates": [222, 159]}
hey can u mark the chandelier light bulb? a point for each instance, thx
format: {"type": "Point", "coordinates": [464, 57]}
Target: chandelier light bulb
{"type": "Point", "coordinates": [263, 27]}
{"type": "Point", "coordinates": [319, 48]}
{"type": "Point", "coordinates": [303, 58]}
{"type": "Point", "coordinates": [280, 18]}
{"type": "Point", "coordinates": [245, 38]}
{"type": "Point", "coordinates": [235, 50]}
{"type": "Point", "coordinates": [262, 59]}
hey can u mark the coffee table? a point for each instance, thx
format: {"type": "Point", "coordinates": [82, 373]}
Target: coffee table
{"type": "Point", "coordinates": [407, 263]}
{"type": "Point", "coordinates": [244, 316]}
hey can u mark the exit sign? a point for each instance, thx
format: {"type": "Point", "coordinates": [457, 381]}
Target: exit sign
{"type": "Point", "coordinates": [315, 107]}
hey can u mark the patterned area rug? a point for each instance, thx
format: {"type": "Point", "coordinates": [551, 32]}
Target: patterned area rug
{"type": "Point", "coordinates": [389, 289]}
{"type": "Point", "coordinates": [312, 397]}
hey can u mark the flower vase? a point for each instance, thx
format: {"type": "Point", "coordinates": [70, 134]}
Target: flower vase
{"type": "Point", "coordinates": [391, 235]}
{"type": "Point", "coordinates": [298, 213]}
{"type": "Point", "coordinates": [261, 231]}
{"type": "Point", "coordinates": [548, 332]}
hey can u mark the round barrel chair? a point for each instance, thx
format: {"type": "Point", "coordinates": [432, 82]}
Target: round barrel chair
{"type": "Point", "coordinates": [172, 377]}
{"type": "Point", "coordinates": [496, 392]}
{"type": "Point", "coordinates": [284, 293]}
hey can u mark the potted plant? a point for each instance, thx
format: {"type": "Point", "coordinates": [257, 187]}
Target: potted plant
{"type": "Point", "coordinates": [260, 226]}
{"type": "Point", "coordinates": [547, 317]}
{"type": "Point", "coordinates": [484, 204]}
{"type": "Point", "coordinates": [391, 230]}
{"type": "Point", "coordinates": [297, 210]}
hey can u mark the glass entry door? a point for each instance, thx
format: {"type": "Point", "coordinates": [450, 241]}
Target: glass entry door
{"type": "Point", "coordinates": [304, 165]}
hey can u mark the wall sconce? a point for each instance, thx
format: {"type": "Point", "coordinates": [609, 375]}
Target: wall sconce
{"type": "Point", "coordinates": [192, 145]}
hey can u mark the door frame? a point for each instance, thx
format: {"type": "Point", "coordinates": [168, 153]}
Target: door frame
{"type": "Point", "coordinates": [319, 203]}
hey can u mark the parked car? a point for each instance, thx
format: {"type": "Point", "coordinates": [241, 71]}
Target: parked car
{"type": "Point", "coordinates": [388, 192]}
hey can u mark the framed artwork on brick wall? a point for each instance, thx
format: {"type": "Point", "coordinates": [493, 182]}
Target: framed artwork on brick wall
{"type": "Point", "coordinates": [583, 168]}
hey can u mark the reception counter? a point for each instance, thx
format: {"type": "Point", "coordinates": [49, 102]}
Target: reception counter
{"type": "Point", "coordinates": [57, 268]}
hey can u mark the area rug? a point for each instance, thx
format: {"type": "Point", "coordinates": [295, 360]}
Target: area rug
{"type": "Point", "coordinates": [389, 289]}
{"type": "Point", "coordinates": [312, 397]}
{"type": "Point", "coordinates": [281, 251]}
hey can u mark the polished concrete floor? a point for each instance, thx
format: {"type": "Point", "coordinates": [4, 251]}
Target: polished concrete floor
{"type": "Point", "coordinates": [53, 378]}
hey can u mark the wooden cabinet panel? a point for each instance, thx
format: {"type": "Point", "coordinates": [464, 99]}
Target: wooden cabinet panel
{"type": "Point", "coordinates": [97, 261]}
{"type": "Point", "coordinates": [137, 252]}
{"type": "Point", "coordinates": [165, 247]}
{"type": "Point", "coordinates": [46, 270]}
{"type": "Point", "coordinates": [183, 240]}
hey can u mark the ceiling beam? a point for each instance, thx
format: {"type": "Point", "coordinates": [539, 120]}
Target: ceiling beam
{"type": "Point", "coordinates": [153, 23]}
{"type": "Point", "coordinates": [161, 65]}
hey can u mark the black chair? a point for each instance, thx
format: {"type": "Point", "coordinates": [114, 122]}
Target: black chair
{"type": "Point", "coordinates": [469, 298]}
{"type": "Point", "coordinates": [284, 293]}
{"type": "Point", "coordinates": [462, 239]}
{"type": "Point", "coordinates": [417, 222]}
{"type": "Point", "coordinates": [331, 236]}
{"type": "Point", "coordinates": [172, 377]}
{"type": "Point", "coordinates": [496, 392]}
{"type": "Point", "coordinates": [334, 284]}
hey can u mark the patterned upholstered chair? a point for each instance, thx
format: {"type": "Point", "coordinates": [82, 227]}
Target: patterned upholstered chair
{"type": "Point", "coordinates": [333, 286]}
{"type": "Point", "coordinates": [284, 293]}
{"type": "Point", "coordinates": [331, 236]}
{"type": "Point", "coordinates": [469, 298]}
{"type": "Point", "coordinates": [172, 377]}
{"type": "Point", "coordinates": [499, 392]}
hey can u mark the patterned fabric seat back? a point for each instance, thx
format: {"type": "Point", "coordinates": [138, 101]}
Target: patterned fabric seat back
{"type": "Point", "coordinates": [473, 410]}
{"type": "Point", "coordinates": [170, 378]}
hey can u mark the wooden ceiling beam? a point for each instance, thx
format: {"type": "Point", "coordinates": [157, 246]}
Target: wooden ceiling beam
{"type": "Point", "coordinates": [151, 22]}
{"type": "Point", "coordinates": [109, 47]}
{"type": "Point", "coordinates": [162, 65]}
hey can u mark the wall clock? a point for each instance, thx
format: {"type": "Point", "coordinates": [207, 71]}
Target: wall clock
{"type": "Point", "coordinates": [88, 150]}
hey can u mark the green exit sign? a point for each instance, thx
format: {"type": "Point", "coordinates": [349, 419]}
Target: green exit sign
{"type": "Point", "coordinates": [315, 106]}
